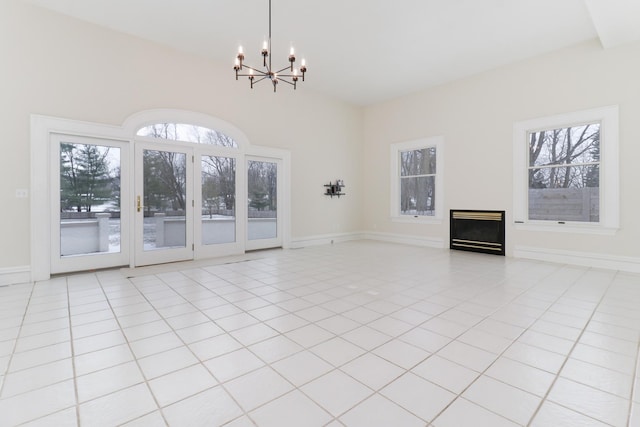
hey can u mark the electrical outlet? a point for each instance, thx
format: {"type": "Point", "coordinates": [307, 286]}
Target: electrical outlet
{"type": "Point", "coordinates": [22, 193]}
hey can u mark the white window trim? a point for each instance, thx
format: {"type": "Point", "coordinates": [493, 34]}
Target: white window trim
{"type": "Point", "coordinates": [64, 264]}
{"type": "Point", "coordinates": [609, 177]}
{"type": "Point", "coordinates": [150, 117]}
{"type": "Point", "coordinates": [42, 127]}
{"type": "Point", "coordinates": [396, 149]}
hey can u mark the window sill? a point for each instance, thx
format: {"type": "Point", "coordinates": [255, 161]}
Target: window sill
{"type": "Point", "coordinates": [411, 219]}
{"type": "Point", "coordinates": [566, 228]}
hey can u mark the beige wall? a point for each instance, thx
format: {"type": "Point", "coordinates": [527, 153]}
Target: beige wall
{"type": "Point", "coordinates": [57, 66]}
{"type": "Point", "coordinates": [476, 117]}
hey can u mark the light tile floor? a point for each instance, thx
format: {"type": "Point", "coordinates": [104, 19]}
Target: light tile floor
{"type": "Point", "coordinates": [354, 334]}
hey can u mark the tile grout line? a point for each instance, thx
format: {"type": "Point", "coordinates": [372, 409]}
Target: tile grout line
{"type": "Point", "coordinates": [70, 346]}
{"type": "Point", "coordinates": [295, 387]}
{"type": "Point", "coordinates": [383, 315]}
{"type": "Point", "coordinates": [391, 338]}
{"type": "Point", "coordinates": [258, 320]}
{"type": "Point", "coordinates": [73, 356]}
{"type": "Point", "coordinates": [200, 362]}
{"type": "Point", "coordinates": [148, 387]}
{"type": "Point", "coordinates": [480, 374]}
{"type": "Point", "coordinates": [279, 334]}
{"type": "Point", "coordinates": [504, 351]}
{"type": "Point", "coordinates": [634, 381]}
{"type": "Point", "coordinates": [573, 346]}
{"type": "Point", "coordinates": [563, 304]}
{"type": "Point", "coordinates": [334, 313]}
{"type": "Point", "coordinates": [15, 344]}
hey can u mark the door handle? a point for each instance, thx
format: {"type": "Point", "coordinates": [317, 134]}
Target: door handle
{"type": "Point", "coordinates": [138, 205]}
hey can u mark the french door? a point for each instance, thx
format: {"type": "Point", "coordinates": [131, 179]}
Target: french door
{"type": "Point", "coordinates": [90, 221]}
{"type": "Point", "coordinates": [185, 203]}
{"type": "Point", "coordinates": [199, 202]}
{"type": "Point", "coordinates": [264, 202]}
{"type": "Point", "coordinates": [105, 196]}
{"type": "Point", "coordinates": [219, 193]}
{"type": "Point", "coordinates": [163, 204]}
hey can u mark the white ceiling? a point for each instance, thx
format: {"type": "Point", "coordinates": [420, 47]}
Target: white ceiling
{"type": "Point", "coordinates": [366, 51]}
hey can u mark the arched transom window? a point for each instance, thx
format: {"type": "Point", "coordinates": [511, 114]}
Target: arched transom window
{"type": "Point", "coordinates": [187, 133]}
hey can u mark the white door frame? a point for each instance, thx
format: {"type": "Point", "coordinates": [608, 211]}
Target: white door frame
{"type": "Point", "coordinates": [275, 242]}
{"type": "Point", "coordinates": [220, 249]}
{"type": "Point", "coordinates": [169, 254]}
{"type": "Point", "coordinates": [60, 264]}
{"type": "Point", "coordinates": [42, 127]}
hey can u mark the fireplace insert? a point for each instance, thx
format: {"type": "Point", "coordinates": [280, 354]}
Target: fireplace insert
{"type": "Point", "coordinates": [477, 231]}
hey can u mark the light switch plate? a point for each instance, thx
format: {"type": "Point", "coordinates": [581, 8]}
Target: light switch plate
{"type": "Point", "coordinates": [22, 193]}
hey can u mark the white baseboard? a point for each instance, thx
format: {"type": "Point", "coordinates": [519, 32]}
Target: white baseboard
{"type": "Point", "coordinates": [429, 242]}
{"type": "Point", "coordinates": [327, 239]}
{"type": "Point", "coordinates": [22, 274]}
{"type": "Point", "coordinates": [324, 239]}
{"type": "Point", "coordinates": [588, 259]}
{"type": "Point", "coordinates": [15, 275]}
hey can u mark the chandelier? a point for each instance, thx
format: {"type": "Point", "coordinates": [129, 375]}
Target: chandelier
{"type": "Point", "coordinates": [287, 74]}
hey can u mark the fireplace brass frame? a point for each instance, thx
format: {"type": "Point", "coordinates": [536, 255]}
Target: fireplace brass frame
{"type": "Point", "coordinates": [494, 246]}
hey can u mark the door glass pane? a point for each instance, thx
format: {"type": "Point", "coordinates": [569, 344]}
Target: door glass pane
{"type": "Point", "coordinates": [164, 199]}
{"type": "Point", "coordinates": [262, 200]}
{"type": "Point", "coordinates": [218, 211]}
{"type": "Point", "coordinates": [89, 199]}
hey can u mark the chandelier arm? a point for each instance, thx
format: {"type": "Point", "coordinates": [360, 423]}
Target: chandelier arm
{"type": "Point", "coordinates": [253, 75]}
{"type": "Point", "coordinates": [260, 79]}
{"type": "Point", "coordinates": [257, 70]}
{"type": "Point", "coordinates": [286, 81]}
{"type": "Point", "coordinates": [280, 71]}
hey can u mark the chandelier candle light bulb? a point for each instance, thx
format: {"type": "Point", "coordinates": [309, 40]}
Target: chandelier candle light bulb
{"type": "Point", "coordinates": [265, 53]}
{"type": "Point", "coordinates": [275, 76]}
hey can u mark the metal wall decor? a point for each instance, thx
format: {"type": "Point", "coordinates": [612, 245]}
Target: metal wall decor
{"type": "Point", "coordinates": [334, 189]}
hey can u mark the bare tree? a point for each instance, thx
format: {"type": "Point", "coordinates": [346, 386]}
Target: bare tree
{"type": "Point", "coordinates": [165, 172]}
{"type": "Point", "coordinates": [417, 192]}
{"type": "Point", "coordinates": [563, 157]}
{"type": "Point", "coordinates": [218, 182]}
{"type": "Point", "coordinates": [165, 179]}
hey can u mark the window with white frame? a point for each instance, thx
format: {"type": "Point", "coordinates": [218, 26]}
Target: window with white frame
{"type": "Point", "coordinates": [416, 180]}
{"type": "Point", "coordinates": [565, 172]}
{"type": "Point", "coordinates": [187, 133]}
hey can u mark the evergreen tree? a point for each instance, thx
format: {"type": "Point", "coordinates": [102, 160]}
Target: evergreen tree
{"type": "Point", "coordinates": [592, 179]}
{"type": "Point", "coordinates": [85, 178]}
